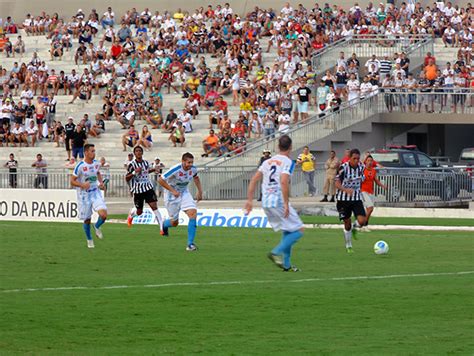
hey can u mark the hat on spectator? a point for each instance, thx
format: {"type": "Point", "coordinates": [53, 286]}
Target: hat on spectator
{"type": "Point", "coordinates": [157, 158]}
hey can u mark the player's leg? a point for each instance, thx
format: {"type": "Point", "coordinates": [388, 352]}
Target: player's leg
{"type": "Point", "coordinates": [151, 199]}
{"type": "Point", "coordinates": [295, 226]}
{"type": "Point", "coordinates": [368, 201]}
{"type": "Point", "coordinates": [85, 213]}
{"type": "Point", "coordinates": [137, 210]}
{"type": "Point", "coordinates": [173, 206]}
{"type": "Point", "coordinates": [345, 216]}
{"type": "Point", "coordinates": [188, 205]}
{"type": "Point", "coordinates": [192, 229]}
{"type": "Point", "coordinates": [98, 204]}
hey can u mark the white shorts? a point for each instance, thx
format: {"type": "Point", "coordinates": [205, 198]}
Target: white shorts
{"type": "Point", "coordinates": [279, 222]}
{"type": "Point", "coordinates": [88, 202]}
{"type": "Point", "coordinates": [368, 199]}
{"type": "Point", "coordinates": [174, 205]}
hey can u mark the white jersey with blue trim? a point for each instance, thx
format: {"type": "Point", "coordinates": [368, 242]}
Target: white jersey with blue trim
{"type": "Point", "coordinates": [178, 178]}
{"type": "Point", "coordinates": [87, 172]}
{"type": "Point", "coordinates": [272, 169]}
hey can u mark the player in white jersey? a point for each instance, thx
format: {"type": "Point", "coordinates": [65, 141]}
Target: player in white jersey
{"type": "Point", "coordinates": [177, 196]}
{"type": "Point", "coordinates": [88, 181]}
{"type": "Point", "coordinates": [275, 174]}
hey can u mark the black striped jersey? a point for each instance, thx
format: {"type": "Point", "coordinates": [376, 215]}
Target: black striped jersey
{"type": "Point", "coordinates": [141, 182]}
{"type": "Point", "coordinates": [350, 178]}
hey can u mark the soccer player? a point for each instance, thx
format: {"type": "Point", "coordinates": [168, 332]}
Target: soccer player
{"type": "Point", "coordinates": [87, 179]}
{"type": "Point", "coordinates": [367, 188]}
{"type": "Point", "coordinates": [349, 198]}
{"type": "Point", "coordinates": [142, 188]}
{"type": "Point", "coordinates": [178, 197]}
{"type": "Point", "coordinates": [275, 174]}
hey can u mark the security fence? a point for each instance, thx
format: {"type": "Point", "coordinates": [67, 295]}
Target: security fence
{"type": "Point", "coordinates": [406, 187]}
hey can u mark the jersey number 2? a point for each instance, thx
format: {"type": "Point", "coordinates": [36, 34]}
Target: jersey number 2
{"type": "Point", "coordinates": [273, 171]}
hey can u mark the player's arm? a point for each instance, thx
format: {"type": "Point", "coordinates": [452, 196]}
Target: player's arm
{"type": "Point", "coordinates": [76, 183]}
{"type": "Point", "coordinates": [251, 191]}
{"type": "Point", "coordinates": [165, 185]}
{"type": "Point", "coordinates": [100, 179]}
{"type": "Point", "coordinates": [285, 190]}
{"type": "Point", "coordinates": [379, 183]}
{"type": "Point", "coordinates": [338, 183]}
{"type": "Point", "coordinates": [197, 182]}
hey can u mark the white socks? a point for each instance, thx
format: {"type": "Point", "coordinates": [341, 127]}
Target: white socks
{"type": "Point", "coordinates": [348, 238]}
{"type": "Point", "coordinates": [159, 219]}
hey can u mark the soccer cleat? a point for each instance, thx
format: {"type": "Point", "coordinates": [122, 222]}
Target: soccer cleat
{"type": "Point", "coordinates": [164, 231]}
{"type": "Point", "coordinates": [354, 233]}
{"type": "Point", "coordinates": [90, 243]}
{"type": "Point", "coordinates": [275, 259]}
{"type": "Point", "coordinates": [130, 221]}
{"type": "Point", "coordinates": [98, 232]}
{"type": "Point", "coordinates": [291, 269]}
{"type": "Point", "coordinates": [349, 250]}
{"type": "Point", "coordinates": [191, 247]}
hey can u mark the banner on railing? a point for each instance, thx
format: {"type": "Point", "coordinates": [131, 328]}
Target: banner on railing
{"type": "Point", "coordinates": [212, 218]}
{"type": "Point", "coordinates": [39, 205]}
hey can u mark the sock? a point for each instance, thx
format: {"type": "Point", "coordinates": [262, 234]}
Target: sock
{"type": "Point", "coordinates": [348, 238]}
{"type": "Point", "coordinates": [191, 231]}
{"type": "Point", "coordinates": [158, 217]}
{"type": "Point", "coordinates": [133, 212]}
{"type": "Point", "coordinates": [167, 224]}
{"type": "Point", "coordinates": [356, 224]}
{"type": "Point", "coordinates": [87, 230]}
{"type": "Point", "coordinates": [278, 250]}
{"type": "Point", "coordinates": [99, 223]}
{"type": "Point", "coordinates": [290, 239]}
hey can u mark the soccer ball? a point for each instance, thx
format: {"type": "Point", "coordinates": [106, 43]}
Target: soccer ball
{"type": "Point", "coordinates": [381, 248]}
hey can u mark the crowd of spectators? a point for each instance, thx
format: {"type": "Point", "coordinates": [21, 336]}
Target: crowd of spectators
{"type": "Point", "coordinates": [131, 60]}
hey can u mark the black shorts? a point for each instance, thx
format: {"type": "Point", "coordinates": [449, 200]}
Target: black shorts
{"type": "Point", "coordinates": [139, 199]}
{"type": "Point", "coordinates": [346, 208]}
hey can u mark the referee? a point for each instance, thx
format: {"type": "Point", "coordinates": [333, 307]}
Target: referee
{"type": "Point", "coordinates": [349, 198]}
{"type": "Point", "coordinates": [141, 186]}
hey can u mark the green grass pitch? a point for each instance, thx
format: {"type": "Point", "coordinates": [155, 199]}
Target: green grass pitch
{"type": "Point", "coordinates": [316, 311]}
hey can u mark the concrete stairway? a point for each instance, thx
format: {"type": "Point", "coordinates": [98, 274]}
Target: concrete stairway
{"type": "Point", "coordinates": [109, 145]}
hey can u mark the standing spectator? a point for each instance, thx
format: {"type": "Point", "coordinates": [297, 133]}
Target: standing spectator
{"type": "Point", "coordinates": [307, 161]}
{"type": "Point", "coordinates": [331, 165]}
{"type": "Point", "coordinates": [158, 168]}
{"type": "Point", "coordinates": [303, 100]}
{"type": "Point", "coordinates": [105, 171]}
{"type": "Point", "coordinates": [41, 172]}
{"type": "Point", "coordinates": [69, 128]}
{"type": "Point", "coordinates": [78, 140]}
{"type": "Point", "coordinates": [12, 166]}
{"type": "Point", "coordinates": [265, 156]}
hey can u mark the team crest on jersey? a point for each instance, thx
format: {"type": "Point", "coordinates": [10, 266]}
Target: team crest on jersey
{"type": "Point", "coordinates": [181, 174]}
{"type": "Point", "coordinates": [85, 169]}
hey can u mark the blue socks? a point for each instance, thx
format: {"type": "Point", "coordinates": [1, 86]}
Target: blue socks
{"type": "Point", "coordinates": [284, 248]}
{"type": "Point", "coordinates": [191, 231]}
{"type": "Point", "coordinates": [167, 224]}
{"type": "Point", "coordinates": [99, 223]}
{"type": "Point", "coordinates": [87, 230]}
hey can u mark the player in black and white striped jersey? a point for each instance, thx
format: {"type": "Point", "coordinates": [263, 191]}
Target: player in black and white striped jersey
{"type": "Point", "coordinates": [141, 186]}
{"type": "Point", "coordinates": [349, 197]}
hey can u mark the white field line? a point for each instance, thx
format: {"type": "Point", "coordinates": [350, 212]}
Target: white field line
{"type": "Point", "coordinates": [225, 283]}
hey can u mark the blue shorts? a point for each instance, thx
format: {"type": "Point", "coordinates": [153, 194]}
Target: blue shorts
{"type": "Point", "coordinates": [78, 151]}
{"type": "Point", "coordinates": [303, 107]}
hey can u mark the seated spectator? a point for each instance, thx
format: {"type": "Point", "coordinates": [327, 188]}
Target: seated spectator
{"type": "Point", "coordinates": [170, 121]}
{"type": "Point", "coordinates": [177, 134]}
{"type": "Point", "coordinates": [99, 127]}
{"type": "Point", "coordinates": [146, 139]}
{"type": "Point", "coordinates": [130, 138]}
{"type": "Point", "coordinates": [210, 144]}
{"type": "Point", "coordinates": [31, 133]}
{"type": "Point", "coordinates": [18, 135]}
{"type": "Point", "coordinates": [185, 119]}
{"type": "Point", "coordinates": [240, 142]}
